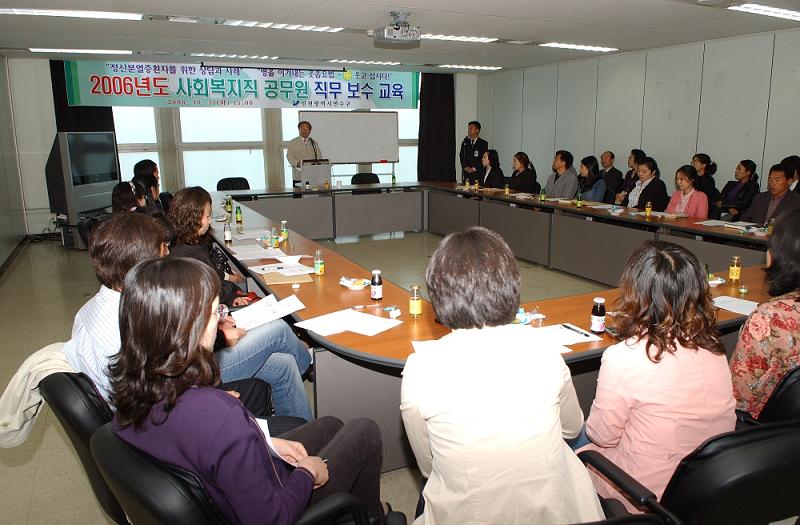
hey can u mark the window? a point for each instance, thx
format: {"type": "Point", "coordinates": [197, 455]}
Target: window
{"type": "Point", "coordinates": [134, 125]}
{"type": "Point", "coordinates": [221, 125]}
{"type": "Point", "coordinates": [404, 171]}
{"type": "Point", "coordinates": [205, 168]}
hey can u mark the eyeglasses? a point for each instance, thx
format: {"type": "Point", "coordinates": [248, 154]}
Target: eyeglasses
{"type": "Point", "coordinates": [222, 311]}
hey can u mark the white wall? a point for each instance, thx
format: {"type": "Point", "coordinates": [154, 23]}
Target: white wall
{"type": "Point", "coordinates": [35, 126]}
{"type": "Point", "coordinates": [731, 98]}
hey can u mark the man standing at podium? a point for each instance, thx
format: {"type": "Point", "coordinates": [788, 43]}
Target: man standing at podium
{"type": "Point", "coordinates": [302, 148]}
{"type": "Point", "coordinates": [472, 150]}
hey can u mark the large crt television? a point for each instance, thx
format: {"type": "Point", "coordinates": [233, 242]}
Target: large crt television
{"type": "Point", "coordinates": [81, 172]}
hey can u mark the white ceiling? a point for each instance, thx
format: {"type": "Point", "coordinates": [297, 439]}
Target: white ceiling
{"type": "Point", "coordinates": [625, 24]}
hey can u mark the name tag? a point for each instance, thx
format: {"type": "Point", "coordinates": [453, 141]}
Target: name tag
{"type": "Point", "coordinates": [475, 153]}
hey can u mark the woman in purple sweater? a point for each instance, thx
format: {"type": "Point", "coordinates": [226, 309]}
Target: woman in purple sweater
{"type": "Point", "coordinates": [163, 388]}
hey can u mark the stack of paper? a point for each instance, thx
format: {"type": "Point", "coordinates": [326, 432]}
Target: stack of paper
{"type": "Point", "coordinates": [266, 310]}
{"type": "Point", "coordinates": [732, 304]}
{"type": "Point", "coordinates": [348, 321]}
{"type": "Point", "coordinates": [601, 206]}
{"type": "Point", "coordinates": [560, 334]}
{"type": "Point", "coordinates": [712, 223]}
{"type": "Point", "coordinates": [739, 225]}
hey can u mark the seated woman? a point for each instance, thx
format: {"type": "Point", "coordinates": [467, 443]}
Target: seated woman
{"type": "Point", "coordinates": [492, 176]}
{"type": "Point", "coordinates": [127, 197]}
{"type": "Point", "coordinates": [666, 387]}
{"type": "Point", "coordinates": [592, 186]}
{"type": "Point", "coordinates": [686, 200]}
{"type": "Point", "coordinates": [648, 188]}
{"type": "Point", "coordinates": [738, 195]}
{"type": "Point", "coordinates": [245, 354]}
{"type": "Point", "coordinates": [510, 464]}
{"type": "Point", "coordinates": [706, 169]}
{"type": "Point", "coordinates": [523, 178]}
{"type": "Point", "coordinates": [769, 341]}
{"type": "Point", "coordinates": [163, 388]}
{"type": "Point", "coordinates": [635, 157]}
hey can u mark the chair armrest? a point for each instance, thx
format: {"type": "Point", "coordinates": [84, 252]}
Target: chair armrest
{"type": "Point", "coordinates": [333, 506]}
{"type": "Point", "coordinates": [640, 494]}
{"type": "Point", "coordinates": [632, 488]}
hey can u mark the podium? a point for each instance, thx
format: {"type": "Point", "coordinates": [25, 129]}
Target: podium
{"type": "Point", "coordinates": [315, 172]}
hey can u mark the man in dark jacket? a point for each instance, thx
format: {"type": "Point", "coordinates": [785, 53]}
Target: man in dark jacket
{"type": "Point", "coordinates": [776, 200]}
{"type": "Point", "coordinates": [611, 176]}
{"type": "Point", "coordinates": [472, 149]}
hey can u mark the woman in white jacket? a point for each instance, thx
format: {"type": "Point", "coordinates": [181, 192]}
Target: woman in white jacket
{"type": "Point", "coordinates": [490, 442]}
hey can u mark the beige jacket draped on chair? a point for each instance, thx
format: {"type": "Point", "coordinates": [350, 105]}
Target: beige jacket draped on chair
{"type": "Point", "coordinates": [486, 412]}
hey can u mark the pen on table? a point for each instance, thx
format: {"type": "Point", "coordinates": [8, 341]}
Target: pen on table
{"type": "Point", "coordinates": [568, 327]}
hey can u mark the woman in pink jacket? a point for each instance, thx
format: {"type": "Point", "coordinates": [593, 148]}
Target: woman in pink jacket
{"type": "Point", "coordinates": [686, 200]}
{"type": "Point", "coordinates": [666, 387]}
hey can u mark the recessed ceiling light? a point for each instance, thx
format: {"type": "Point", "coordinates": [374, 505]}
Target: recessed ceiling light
{"type": "Point", "coordinates": [226, 55]}
{"type": "Point", "coordinates": [579, 47]}
{"type": "Point", "coordinates": [82, 51]}
{"type": "Point", "coordinates": [456, 38]}
{"type": "Point", "coordinates": [477, 68]}
{"type": "Point", "coordinates": [184, 19]}
{"type": "Point", "coordinates": [366, 62]}
{"type": "Point", "coordinates": [72, 13]}
{"type": "Point", "coordinates": [758, 9]}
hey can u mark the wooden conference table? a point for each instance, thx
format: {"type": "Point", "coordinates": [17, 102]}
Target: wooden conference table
{"type": "Point", "coordinates": [359, 376]}
{"type": "Point", "coordinates": [591, 243]}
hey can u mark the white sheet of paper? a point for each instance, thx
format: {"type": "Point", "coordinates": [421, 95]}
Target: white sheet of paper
{"type": "Point", "coordinates": [734, 304]}
{"type": "Point", "coordinates": [283, 269]}
{"type": "Point", "coordinates": [559, 335]}
{"type": "Point", "coordinates": [266, 310]}
{"type": "Point", "coordinates": [264, 426]}
{"type": "Point", "coordinates": [290, 259]}
{"type": "Point", "coordinates": [348, 320]}
{"type": "Point", "coordinates": [739, 225]}
{"type": "Point", "coordinates": [712, 223]}
{"type": "Point", "coordinates": [601, 206]}
{"type": "Point", "coordinates": [254, 251]}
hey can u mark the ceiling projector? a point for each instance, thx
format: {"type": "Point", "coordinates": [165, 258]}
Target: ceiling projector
{"type": "Point", "coordinates": [398, 34]}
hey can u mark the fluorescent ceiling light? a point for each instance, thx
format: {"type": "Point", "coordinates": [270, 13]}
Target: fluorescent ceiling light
{"type": "Point", "coordinates": [758, 9]}
{"type": "Point", "coordinates": [226, 55]}
{"type": "Point", "coordinates": [274, 25]}
{"type": "Point", "coordinates": [82, 51]}
{"type": "Point", "coordinates": [579, 47]}
{"type": "Point", "coordinates": [455, 38]}
{"type": "Point", "coordinates": [366, 62]}
{"type": "Point", "coordinates": [72, 13]}
{"type": "Point", "coordinates": [476, 68]}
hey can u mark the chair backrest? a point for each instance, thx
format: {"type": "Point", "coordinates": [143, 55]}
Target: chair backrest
{"type": "Point", "coordinates": [747, 476]}
{"type": "Point", "coordinates": [784, 402]}
{"type": "Point", "coordinates": [149, 490]}
{"type": "Point", "coordinates": [364, 178]}
{"type": "Point", "coordinates": [85, 227]}
{"type": "Point", "coordinates": [81, 410]}
{"type": "Point", "coordinates": [232, 184]}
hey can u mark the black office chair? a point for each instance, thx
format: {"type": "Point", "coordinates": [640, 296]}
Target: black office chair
{"type": "Point", "coordinates": [85, 227]}
{"type": "Point", "coordinates": [364, 178]}
{"type": "Point", "coordinates": [151, 491]}
{"type": "Point", "coordinates": [749, 476]}
{"type": "Point", "coordinates": [81, 410]}
{"type": "Point", "coordinates": [233, 184]}
{"type": "Point", "coordinates": [783, 404]}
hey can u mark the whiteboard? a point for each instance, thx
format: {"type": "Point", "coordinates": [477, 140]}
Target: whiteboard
{"type": "Point", "coordinates": [355, 137]}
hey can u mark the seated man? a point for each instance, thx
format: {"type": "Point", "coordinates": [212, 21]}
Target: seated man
{"type": "Point", "coordinates": [563, 182]}
{"type": "Point", "coordinates": [115, 247]}
{"type": "Point", "coordinates": [776, 200]}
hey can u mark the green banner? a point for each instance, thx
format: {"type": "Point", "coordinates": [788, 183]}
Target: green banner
{"type": "Point", "coordinates": [91, 83]}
